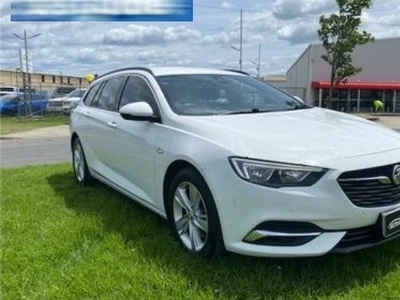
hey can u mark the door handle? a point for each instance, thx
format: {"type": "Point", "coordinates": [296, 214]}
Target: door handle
{"type": "Point", "coordinates": [87, 114]}
{"type": "Point", "coordinates": [112, 124]}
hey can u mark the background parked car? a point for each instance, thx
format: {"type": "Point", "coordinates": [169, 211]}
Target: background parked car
{"type": "Point", "coordinates": [61, 91]}
{"type": "Point", "coordinates": [17, 104]}
{"type": "Point", "coordinates": [71, 100]}
{"type": "Point", "coordinates": [26, 90]}
{"type": "Point", "coordinates": [4, 90]}
{"type": "Point", "coordinates": [57, 96]}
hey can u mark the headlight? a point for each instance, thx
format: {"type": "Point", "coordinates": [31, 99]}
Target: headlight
{"type": "Point", "coordinates": [274, 174]}
{"type": "Point", "coordinates": [74, 104]}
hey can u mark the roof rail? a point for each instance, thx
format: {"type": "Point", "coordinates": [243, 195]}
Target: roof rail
{"type": "Point", "coordinates": [126, 69]}
{"type": "Point", "coordinates": [237, 71]}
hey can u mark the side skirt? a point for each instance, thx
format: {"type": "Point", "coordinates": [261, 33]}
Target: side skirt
{"type": "Point", "coordinates": [125, 192]}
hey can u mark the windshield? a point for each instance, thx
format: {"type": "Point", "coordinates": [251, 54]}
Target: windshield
{"type": "Point", "coordinates": [7, 89]}
{"type": "Point", "coordinates": [64, 90]}
{"type": "Point", "coordinates": [76, 93]}
{"type": "Point", "coordinates": [211, 94]}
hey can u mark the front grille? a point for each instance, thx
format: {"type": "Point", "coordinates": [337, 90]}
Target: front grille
{"type": "Point", "coordinates": [361, 238]}
{"type": "Point", "coordinates": [373, 187]}
{"type": "Point", "coordinates": [55, 103]}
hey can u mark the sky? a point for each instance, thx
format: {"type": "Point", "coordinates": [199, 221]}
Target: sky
{"type": "Point", "coordinates": [282, 29]}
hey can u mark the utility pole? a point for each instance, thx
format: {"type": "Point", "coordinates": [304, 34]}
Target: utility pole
{"type": "Point", "coordinates": [241, 40]}
{"type": "Point", "coordinates": [26, 75]}
{"type": "Point", "coordinates": [259, 61]}
{"type": "Point", "coordinates": [240, 49]}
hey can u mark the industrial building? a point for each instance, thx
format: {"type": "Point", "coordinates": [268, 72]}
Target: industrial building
{"type": "Point", "coordinates": [309, 77]}
{"type": "Point", "coordinates": [40, 81]}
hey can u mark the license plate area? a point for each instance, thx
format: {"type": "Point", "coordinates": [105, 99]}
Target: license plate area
{"type": "Point", "coordinates": [391, 222]}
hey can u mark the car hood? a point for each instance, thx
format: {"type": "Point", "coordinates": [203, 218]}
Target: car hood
{"type": "Point", "coordinates": [71, 99]}
{"type": "Point", "coordinates": [308, 136]}
{"type": "Point", "coordinates": [56, 99]}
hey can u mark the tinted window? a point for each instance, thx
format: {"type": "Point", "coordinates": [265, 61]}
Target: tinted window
{"type": "Point", "coordinates": [109, 95]}
{"type": "Point", "coordinates": [91, 95]}
{"type": "Point", "coordinates": [137, 89]}
{"type": "Point", "coordinates": [7, 89]}
{"type": "Point", "coordinates": [64, 90]}
{"type": "Point", "coordinates": [77, 93]}
{"type": "Point", "coordinates": [22, 90]}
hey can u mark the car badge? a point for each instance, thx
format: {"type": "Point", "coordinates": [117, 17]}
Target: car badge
{"type": "Point", "coordinates": [396, 175]}
{"type": "Point", "coordinates": [395, 223]}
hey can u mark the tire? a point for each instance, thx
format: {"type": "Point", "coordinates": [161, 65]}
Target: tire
{"type": "Point", "coordinates": [193, 215]}
{"type": "Point", "coordinates": [79, 164]}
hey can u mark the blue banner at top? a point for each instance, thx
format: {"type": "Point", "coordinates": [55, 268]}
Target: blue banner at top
{"type": "Point", "coordinates": [102, 10]}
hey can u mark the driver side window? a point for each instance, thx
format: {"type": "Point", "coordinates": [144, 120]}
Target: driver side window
{"type": "Point", "coordinates": [137, 90]}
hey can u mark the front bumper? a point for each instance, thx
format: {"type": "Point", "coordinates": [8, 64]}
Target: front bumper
{"type": "Point", "coordinates": [338, 225]}
{"type": "Point", "coordinates": [54, 106]}
{"type": "Point", "coordinates": [360, 238]}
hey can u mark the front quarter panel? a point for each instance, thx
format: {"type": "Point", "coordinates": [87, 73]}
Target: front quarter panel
{"type": "Point", "coordinates": [178, 145]}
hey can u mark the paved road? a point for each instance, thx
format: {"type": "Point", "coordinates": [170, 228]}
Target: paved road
{"type": "Point", "coordinates": [36, 147]}
{"type": "Point", "coordinates": [36, 151]}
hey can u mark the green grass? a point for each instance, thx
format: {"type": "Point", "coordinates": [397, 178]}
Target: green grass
{"type": "Point", "coordinates": [13, 125]}
{"type": "Point", "coordinates": [63, 241]}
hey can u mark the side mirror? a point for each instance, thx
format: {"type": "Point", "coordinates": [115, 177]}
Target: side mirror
{"type": "Point", "coordinates": [138, 111]}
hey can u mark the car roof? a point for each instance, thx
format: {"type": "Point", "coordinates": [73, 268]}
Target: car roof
{"type": "Point", "coordinates": [162, 71]}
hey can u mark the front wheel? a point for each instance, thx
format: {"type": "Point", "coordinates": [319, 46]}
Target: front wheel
{"type": "Point", "coordinates": [193, 215]}
{"type": "Point", "coordinates": [81, 170]}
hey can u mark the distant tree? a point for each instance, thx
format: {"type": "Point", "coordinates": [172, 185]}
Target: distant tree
{"type": "Point", "coordinates": [340, 34]}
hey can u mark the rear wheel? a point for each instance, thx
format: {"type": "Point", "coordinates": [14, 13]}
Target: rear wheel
{"type": "Point", "coordinates": [81, 170]}
{"type": "Point", "coordinates": [193, 215]}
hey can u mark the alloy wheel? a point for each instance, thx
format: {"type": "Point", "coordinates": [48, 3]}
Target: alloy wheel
{"type": "Point", "coordinates": [190, 216]}
{"type": "Point", "coordinates": [79, 162]}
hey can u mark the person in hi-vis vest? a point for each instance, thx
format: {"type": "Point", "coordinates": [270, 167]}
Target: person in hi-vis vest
{"type": "Point", "coordinates": [378, 106]}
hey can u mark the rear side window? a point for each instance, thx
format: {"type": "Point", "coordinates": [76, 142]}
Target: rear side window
{"type": "Point", "coordinates": [110, 93]}
{"type": "Point", "coordinates": [92, 94]}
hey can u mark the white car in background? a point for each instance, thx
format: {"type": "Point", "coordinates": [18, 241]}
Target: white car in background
{"type": "Point", "coordinates": [4, 90]}
{"type": "Point", "coordinates": [234, 163]}
{"type": "Point", "coordinates": [63, 104]}
{"type": "Point", "coordinates": [71, 100]}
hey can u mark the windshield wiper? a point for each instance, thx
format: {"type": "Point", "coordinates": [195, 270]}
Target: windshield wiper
{"type": "Point", "coordinates": [257, 110]}
{"type": "Point", "coordinates": [300, 106]}
{"type": "Point", "coordinates": [245, 111]}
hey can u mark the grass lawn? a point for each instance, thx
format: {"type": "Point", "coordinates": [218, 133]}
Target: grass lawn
{"type": "Point", "coordinates": [12, 124]}
{"type": "Point", "coordinates": [63, 241]}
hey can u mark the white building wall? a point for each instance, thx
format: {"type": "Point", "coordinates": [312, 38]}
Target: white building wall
{"type": "Point", "coordinates": [299, 75]}
{"type": "Point", "coordinates": [379, 60]}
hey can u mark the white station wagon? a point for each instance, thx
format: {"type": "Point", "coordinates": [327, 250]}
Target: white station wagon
{"type": "Point", "coordinates": [236, 164]}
